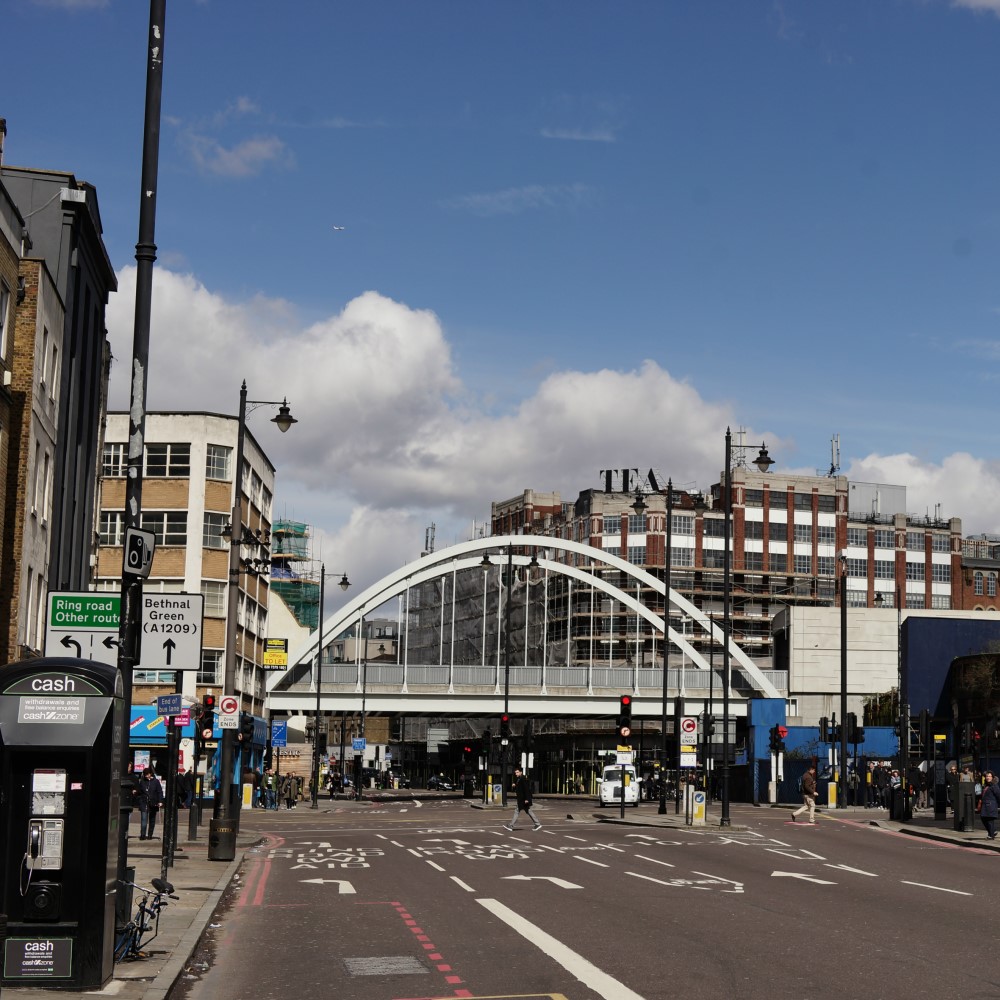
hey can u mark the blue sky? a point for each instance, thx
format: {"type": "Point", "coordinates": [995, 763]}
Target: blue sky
{"type": "Point", "coordinates": [575, 235]}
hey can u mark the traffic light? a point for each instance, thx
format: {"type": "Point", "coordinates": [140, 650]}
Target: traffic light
{"type": "Point", "coordinates": [824, 730]}
{"type": "Point", "coordinates": [625, 716]}
{"type": "Point", "coordinates": [966, 744]}
{"type": "Point", "coordinates": [775, 739]}
{"type": "Point", "coordinates": [852, 727]}
{"type": "Point", "coordinates": [207, 721]}
{"type": "Point", "coordinates": [710, 725]}
{"type": "Point", "coordinates": [505, 727]}
{"type": "Point", "coordinates": [778, 734]}
{"type": "Point", "coordinates": [246, 728]}
{"type": "Point", "coordinates": [528, 734]}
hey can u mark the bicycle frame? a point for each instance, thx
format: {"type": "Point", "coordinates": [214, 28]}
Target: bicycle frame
{"type": "Point", "coordinates": [145, 925]}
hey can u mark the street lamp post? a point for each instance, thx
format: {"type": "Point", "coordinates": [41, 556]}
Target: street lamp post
{"type": "Point", "coordinates": [222, 828]}
{"type": "Point", "coordinates": [842, 769]}
{"type": "Point", "coordinates": [763, 462]}
{"type": "Point", "coordinates": [344, 584]}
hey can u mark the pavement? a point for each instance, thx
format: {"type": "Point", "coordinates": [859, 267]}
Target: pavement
{"type": "Point", "coordinates": [200, 883]}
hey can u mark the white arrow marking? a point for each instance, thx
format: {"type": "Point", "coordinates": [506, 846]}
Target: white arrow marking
{"type": "Point", "coordinates": [644, 836]}
{"type": "Point", "coordinates": [561, 882]}
{"type": "Point", "coordinates": [599, 864]}
{"type": "Point", "coordinates": [345, 887]}
{"type": "Point", "coordinates": [444, 840]}
{"type": "Point", "coordinates": [857, 871]}
{"type": "Point", "coordinates": [939, 888]}
{"type": "Point", "coordinates": [805, 878]}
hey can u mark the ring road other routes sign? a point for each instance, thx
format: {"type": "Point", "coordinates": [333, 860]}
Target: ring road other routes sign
{"type": "Point", "coordinates": [83, 625]}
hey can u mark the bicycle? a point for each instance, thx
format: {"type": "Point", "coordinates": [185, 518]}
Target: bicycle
{"type": "Point", "coordinates": [145, 925]}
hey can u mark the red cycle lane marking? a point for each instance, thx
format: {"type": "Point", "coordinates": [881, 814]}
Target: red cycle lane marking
{"type": "Point", "coordinates": [432, 951]}
{"type": "Point", "coordinates": [261, 870]}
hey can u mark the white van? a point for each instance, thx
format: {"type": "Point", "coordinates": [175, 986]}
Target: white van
{"type": "Point", "coordinates": [610, 791]}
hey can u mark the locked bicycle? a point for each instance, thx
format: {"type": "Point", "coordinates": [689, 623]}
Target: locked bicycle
{"type": "Point", "coordinates": [145, 924]}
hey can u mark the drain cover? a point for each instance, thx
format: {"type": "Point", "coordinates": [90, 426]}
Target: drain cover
{"type": "Point", "coordinates": [385, 965]}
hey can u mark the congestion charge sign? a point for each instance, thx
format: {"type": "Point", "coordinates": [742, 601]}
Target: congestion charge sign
{"type": "Point", "coordinates": [171, 631]}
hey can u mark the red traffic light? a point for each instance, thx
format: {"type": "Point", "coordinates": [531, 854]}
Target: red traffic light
{"type": "Point", "coordinates": [782, 731]}
{"type": "Point", "coordinates": [208, 701]}
{"type": "Point", "coordinates": [626, 699]}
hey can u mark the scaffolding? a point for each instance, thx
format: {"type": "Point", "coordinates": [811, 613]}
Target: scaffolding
{"type": "Point", "coordinates": [291, 571]}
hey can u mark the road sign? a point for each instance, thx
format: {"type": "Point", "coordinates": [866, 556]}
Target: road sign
{"type": "Point", "coordinates": [171, 631]}
{"type": "Point", "coordinates": [84, 625]}
{"type": "Point", "coordinates": [359, 744]}
{"type": "Point", "coordinates": [279, 734]}
{"type": "Point", "coordinates": [689, 760]}
{"type": "Point", "coordinates": [169, 704]}
{"type": "Point", "coordinates": [689, 728]}
{"type": "Point", "coordinates": [275, 654]}
{"type": "Point", "coordinates": [228, 716]}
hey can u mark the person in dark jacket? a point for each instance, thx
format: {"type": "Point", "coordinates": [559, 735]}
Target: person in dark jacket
{"type": "Point", "coordinates": [522, 788]}
{"type": "Point", "coordinates": [808, 796]}
{"type": "Point", "coordinates": [990, 804]}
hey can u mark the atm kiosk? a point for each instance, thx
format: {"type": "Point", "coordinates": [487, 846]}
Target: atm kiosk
{"type": "Point", "coordinates": [61, 732]}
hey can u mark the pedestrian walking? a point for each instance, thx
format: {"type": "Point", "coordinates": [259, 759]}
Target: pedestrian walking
{"type": "Point", "coordinates": [990, 804]}
{"type": "Point", "coordinates": [149, 797]}
{"type": "Point", "coordinates": [522, 789]}
{"type": "Point", "coordinates": [808, 796]}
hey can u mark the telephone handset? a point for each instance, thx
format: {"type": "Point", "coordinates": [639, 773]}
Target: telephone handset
{"type": "Point", "coordinates": [46, 825]}
{"type": "Point", "coordinates": [34, 839]}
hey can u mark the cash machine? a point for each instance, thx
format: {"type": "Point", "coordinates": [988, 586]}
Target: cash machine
{"type": "Point", "coordinates": [61, 732]}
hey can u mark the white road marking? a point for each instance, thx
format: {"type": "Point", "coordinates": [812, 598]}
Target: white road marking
{"type": "Point", "coordinates": [459, 882]}
{"type": "Point", "coordinates": [599, 864]}
{"type": "Point", "coordinates": [611, 847]}
{"type": "Point", "coordinates": [576, 965]}
{"type": "Point", "coordinates": [547, 847]}
{"type": "Point", "coordinates": [939, 888]}
{"type": "Point", "coordinates": [561, 882]}
{"type": "Point", "coordinates": [437, 867]}
{"type": "Point", "coordinates": [521, 839]}
{"type": "Point", "coordinates": [644, 836]}
{"type": "Point", "coordinates": [857, 871]}
{"type": "Point", "coordinates": [718, 878]}
{"type": "Point", "coordinates": [649, 878]}
{"type": "Point", "coordinates": [818, 857]}
{"type": "Point", "coordinates": [396, 843]}
{"type": "Point", "coordinates": [805, 878]}
{"type": "Point", "coordinates": [445, 840]}
{"type": "Point", "coordinates": [345, 888]}
{"type": "Point", "coordinates": [417, 804]}
{"type": "Point", "coordinates": [667, 864]}
{"type": "Point", "coordinates": [415, 852]}
{"type": "Point", "coordinates": [381, 836]}
{"type": "Point", "coordinates": [582, 840]}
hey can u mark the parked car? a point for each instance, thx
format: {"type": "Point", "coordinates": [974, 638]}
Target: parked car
{"type": "Point", "coordinates": [399, 779]}
{"type": "Point", "coordinates": [438, 782]}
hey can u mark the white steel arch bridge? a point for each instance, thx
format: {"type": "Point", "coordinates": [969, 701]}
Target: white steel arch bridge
{"type": "Point", "coordinates": [550, 687]}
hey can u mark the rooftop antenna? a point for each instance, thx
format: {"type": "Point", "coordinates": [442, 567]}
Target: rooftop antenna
{"type": "Point", "coordinates": [429, 540]}
{"type": "Point", "coordinates": [834, 456]}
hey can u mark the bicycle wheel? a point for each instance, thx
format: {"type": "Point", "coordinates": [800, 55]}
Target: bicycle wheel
{"type": "Point", "coordinates": [127, 945]}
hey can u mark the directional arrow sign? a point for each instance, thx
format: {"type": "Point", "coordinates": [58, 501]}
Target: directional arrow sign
{"type": "Point", "coordinates": [345, 887]}
{"type": "Point", "coordinates": [805, 878]}
{"type": "Point", "coordinates": [561, 882]}
{"type": "Point", "coordinates": [171, 631]}
{"type": "Point", "coordinates": [84, 625]}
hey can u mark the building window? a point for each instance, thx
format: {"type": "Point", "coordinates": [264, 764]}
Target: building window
{"type": "Point", "coordinates": [164, 460]}
{"type": "Point", "coordinates": [777, 531]}
{"type": "Point", "coordinates": [612, 524]}
{"type": "Point", "coordinates": [778, 501]}
{"type": "Point", "coordinates": [219, 462]}
{"type": "Point", "coordinates": [885, 569]}
{"type": "Point", "coordinates": [803, 501]}
{"type": "Point", "coordinates": [211, 670]}
{"type": "Point", "coordinates": [680, 524]}
{"type": "Point", "coordinates": [978, 584]}
{"type": "Point", "coordinates": [941, 602]}
{"type": "Point", "coordinates": [826, 566]}
{"type": "Point", "coordinates": [915, 601]}
{"type": "Point", "coordinates": [777, 562]}
{"type": "Point", "coordinates": [681, 557]}
{"type": "Point", "coordinates": [991, 585]}
{"type": "Point", "coordinates": [857, 536]}
{"type": "Point", "coordinates": [940, 543]}
{"type": "Point", "coordinates": [637, 524]}
{"type": "Point", "coordinates": [857, 567]}
{"type": "Point", "coordinates": [941, 572]}
{"type": "Point", "coordinates": [915, 541]}
{"type": "Point", "coordinates": [212, 537]}
{"type": "Point", "coordinates": [169, 526]}
{"type": "Point", "coordinates": [4, 306]}
{"type": "Point", "coordinates": [857, 598]}
{"type": "Point", "coordinates": [637, 555]}
{"type": "Point", "coordinates": [215, 598]}
{"type": "Point", "coordinates": [754, 498]}
{"type": "Point", "coordinates": [753, 561]}
{"type": "Point", "coordinates": [803, 564]}
{"type": "Point", "coordinates": [803, 532]}
{"type": "Point", "coordinates": [826, 534]}
{"type": "Point", "coordinates": [712, 558]}
{"type": "Point", "coordinates": [915, 571]}
{"type": "Point", "coordinates": [713, 527]}
{"type": "Point", "coordinates": [826, 503]}
{"type": "Point", "coordinates": [153, 676]}
{"type": "Point", "coordinates": [266, 498]}
{"type": "Point", "coordinates": [885, 539]}
{"type": "Point", "coordinates": [114, 463]}
{"type": "Point", "coordinates": [753, 529]}
{"type": "Point", "coordinates": [112, 527]}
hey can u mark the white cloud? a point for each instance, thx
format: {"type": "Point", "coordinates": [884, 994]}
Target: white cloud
{"type": "Point", "coordinates": [603, 134]}
{"type": "Point", "coordinates": [243, 159]}
{"type": "Point", "coordinates": [987, 5]}
{"type": "Point", "coordinates": [389, 439]}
